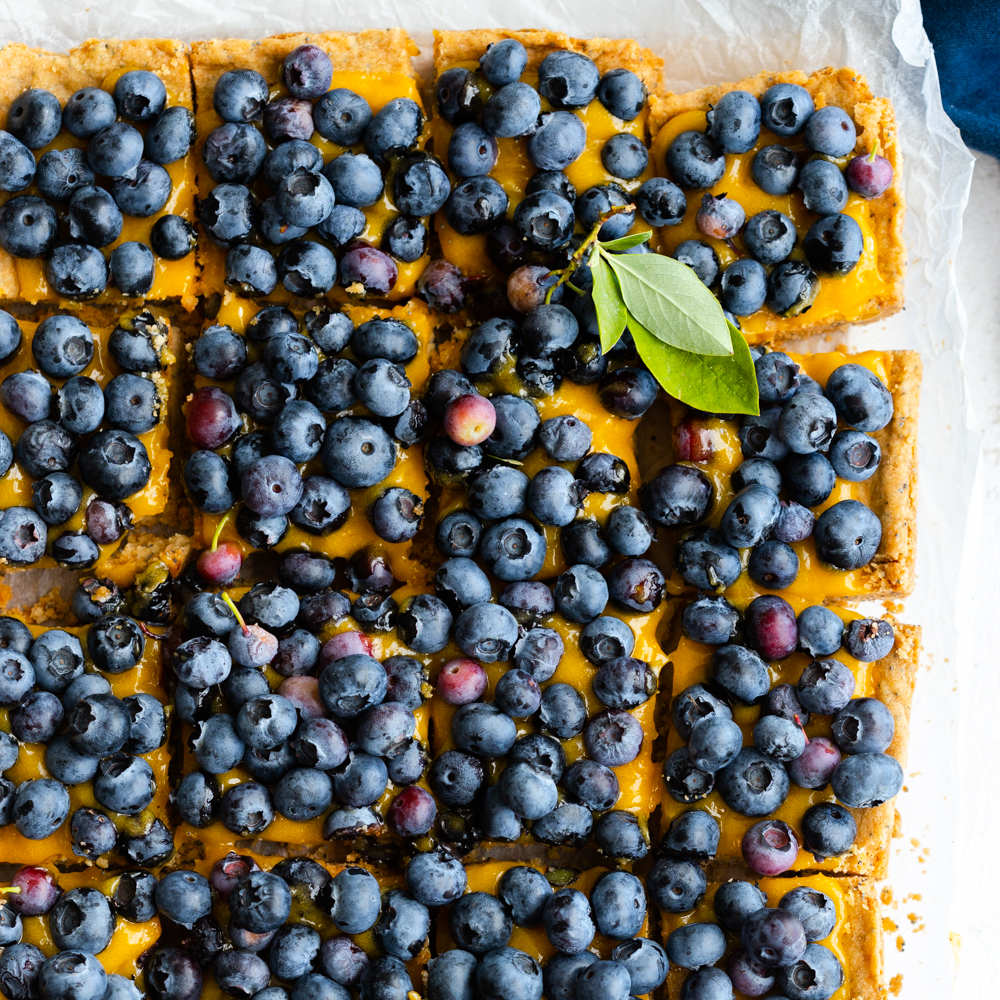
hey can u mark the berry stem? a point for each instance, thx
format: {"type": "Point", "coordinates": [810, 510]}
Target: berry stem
{"type": "Point", "coordinates": [798, 722]}
{"type": "Point", "coordinates": [149, 633]}
{"type": "Point", "coordinates": [874, 152]}
{"type": "Point", "coordinates": [218, 531]}
{"type": "Point", "coordinates": [583, 249]}
{"type": "Point", "coordinates": [236, 611]}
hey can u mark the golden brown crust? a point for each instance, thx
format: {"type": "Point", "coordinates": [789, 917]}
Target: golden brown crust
{"type": "Point", "coordinates": [892, 492]}
{"type": "Point", "coordinates": [876, 121]}
{"type": "Point", "coordinates": [451, 47]}
{"type": "Point", "coordinates": [87, 65]}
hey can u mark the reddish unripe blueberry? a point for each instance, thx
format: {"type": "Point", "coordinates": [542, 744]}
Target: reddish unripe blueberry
{"type": "Point", "coordinates": [771, 628]}
{"type": "Point", "coordinates": [344, 644]}
{"type": "Point", "coordinates": [227, 871]}
{"type": "Point", "coordinates": [770, 847]}
{"type": "Point", "coordinates": [528, 285]}
{"type": "Point", "coordinates": [442, 286]}
{"type": "Point", "coordinates": [721, 218]}
{"type": "Point", "coordinates": [412, 812]}
{"type": "Point", "coordinates": [211, 417]}
{"type": "Point", "coordinates": [814, 767]}
{"type": "Point", "coordinates": [38, 891]}
{"type": "Point", "coordinates": [303, 692]}
{"type": "Point", "coordinates": [748, 977]}
{"type": "Point", "coordinates": [693, 441]}
{"type": "Point", "coordinates": [470, 419]}
{"type": "Point", "coordinates": [461, 681]}
{"type": "Point", "coordinates": [869, 177]}
{"type": "Point", "coordinates": [252, 646]}
{"type": "Point", "coordinates": [373, 270]}
{"type": "Point", "coordinates": [220, 566]}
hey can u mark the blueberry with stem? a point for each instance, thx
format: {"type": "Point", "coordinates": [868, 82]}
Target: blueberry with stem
{"type": "Point", "coordinates": [250, 645]}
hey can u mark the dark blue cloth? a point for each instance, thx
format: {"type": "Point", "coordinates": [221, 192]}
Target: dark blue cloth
{"type": "Point", "coordinates": [966, 38]}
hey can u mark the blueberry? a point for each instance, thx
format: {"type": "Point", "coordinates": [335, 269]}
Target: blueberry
{"type": "Point", "coordinates": [636, 584]}
{"type": "Point", "coordinates": [568, 921]}
{"type": "Point", "coordinates": [563, 713]}
{"type": "Point", "coordinates": [345, 962]}
{"type": "Point", "coordinates": [455, 778]}
{"type": "Point", "coordinates": [385, 338]}
{"type": "Point", "coordinates": [23, 536]}
{"type": "Point", "coordinates": [830, 131]}
{"type": "Point", "coordinates": [173, 238]}
{"type": "Point", "coordinates": [662, 203]}
{"type": "Point", "coordinates": [743, 288]}
{"type": "Point", "coordinates": [424, 623]}
{"type": "Point", "coordinates": [538, 652]}
{"type": "Point", "coordinates": [815, 909]}
{"type": "Point", "coordinates": [677, 496]}
{"type": "Point", "coordinates": [695, 161]}
{"type": "Point", "coordinates": [234, 152]}
{"type": "Point", "coordinates": [753, 785]}
{"type": "Point", "coordinates": [561, 972]}
{"type": "Point", "coordinates": [605, 639]}
{"type": "Point", "coordinates": [645, 961]}
{"type": "Point", "coordinates": [568, 825]}
{"type": "Point", "coordinates": [141, 194]}
{"type": "Point", "coordinates": [341, 116]}
{"type": "Point", "coordinates": [825, 686]}
{"type": "Point", "coordinates": [511, 111]}
{"type": "Point", "coordinates": [307, 71]}
{"type": "Point", "coordinates": [483, 730]}
{"type": "Point", "coordinates": [860, 398]}
{"type": "Point", "coordinates": [528, 792]}
{"type": "Point", "coordinates": [394, 129]}
{"type": "Point", "coordinates": [773, 565]}
{"type": "Point", "coordinates": [34, 117]}
{"type": "Point", "coordinates": [692, 835]}
{"type": "Point", "coordinates": [834, 245]}
{"type": "Point", "coordinates": [694, 945]}
{"type": "Point", "coordinates": [124, 784]}
{"type": "Point", "coordinates": [750, 516]}
{"type": "Point", "coordinates": [734, 121]}
{"type": "Point", "coordinates": [854, 456]}
{"type": "Point", "coordinates": [779, 738]}
{"type": "Point", "coordinates": [613, 737]}
{"type": "Point", "coordinates": [173, 972]}
{"type": "Point", "coordinates": [818, 968]}
{"type": "Point", "coordinates": [513, 549]}
{"type": "Point", "coordinates": [557, 141]}
{"type": "Point", "coordinates": [706, 561]}
{"type": "Point", "coordinates": [503, 62]}
{"type": "Point", "coordinates": [828, 830]}
{"type": "Point", "coordinates": [701, 258]}
{"type": "Point", "coordinates": [544, 220]}
{"type": "Point", "coordinates": [775, 170]}
{"type": "Point", "coordinates": [60, 172]}
{"type": "Point", "coordinates": [820, 631]}
{"type": "Point", "coordinates": [619, 904]}
{"type": "Point", "coordinates": [624, 682]}
{"type": "Point", "coordinates": [773, 937]}
{"type": "Point", "coordinates": [357, 453]}
{"type": "Point", "coordinates": [288, 118]}
{"type": "Point", "coordinates": [676, 886]}
{"type": "Point", "coordinates": [302, 794]}
{"type": "Point", "coordinates": [28, 395]}
{"type": "Point", "coordinates": [869, 639]}
{"type": "Point", "coordinates": [69, 974]}
{"type": "Point", "coordinates": [605, 979]}
{"type": "Point", "coordinates": [477, 205]}
{"type": "Point", "coordinates": [600, 199]}
{"type": "Point", "coordinates": [847, 534]}
{"type": "Point", "coordinates": [823, 187]}
{"type": "Point", "coordinates": [809, 479]}
{"type": "Point", "coordinates": [769, 237]}
{"type": "Point", "coordinates": [791, 288]}
{"type": "Point", "coordinates": [759, 436]}
{"type": "Point", "coordinates": [759, 471]}
{"type": "Point", "coordinates": [170, 135]}
{"type": "Point", "coordinates": [292, 953]}
{"type": "Point", "coordinates": [88, 111]}
{"type": "Point", "coordinates": [405, 239]}
{"type": "Point", "coordinates": [28, 226]}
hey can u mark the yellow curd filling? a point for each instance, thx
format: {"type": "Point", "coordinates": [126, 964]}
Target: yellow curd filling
{"type": "Point", "coordinates": [377, 89]}
{"type": "Point", "coordinates": [692, 664]}
{"type": "Point", "coordinates": [357, 532]}
{"type": "Point", "coordinates": [852, 297]}
{"type": "Point", "coordinates": [842, 941]}
{"type": "Point", "coordinates": [172, 279]}
{"type": "Point", "coordinates": [514, 169]}
{"type": "Point", "coordinates": [145, 677]}
{"type": "Point", "coordinates": [816, 581]}
{"type": "Point", "coordinates": [151, 500]}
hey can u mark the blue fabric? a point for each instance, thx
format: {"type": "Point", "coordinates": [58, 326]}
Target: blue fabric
{"type": "Point", "coordinates": [966, 38]}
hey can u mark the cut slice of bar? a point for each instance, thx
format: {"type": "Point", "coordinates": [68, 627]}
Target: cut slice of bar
{"type": "Point", "coordinates": [856, 940]}
{"type": "Point", "coordinates": [103, 551]}
{"type": "Point", "coordinates": [99, 63]}
{"type": "Point", "coordinates": [375, 64]}
{"type": "Point", "coordinates": [142, 836]}
{"type": "Point", "coordinates": [890, 680]}
{"type": "Point", "coordinates": [712, 444]}
{"type": "Point", "coordinates": [319, 530]}
{"type": "Point", "coordinates": [514, 169]}
{"type": "Point", "coordinates": [874, 288]}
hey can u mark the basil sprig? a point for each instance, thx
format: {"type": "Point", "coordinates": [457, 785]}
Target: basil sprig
{"type": "Point", "coordinates": [677, 324]}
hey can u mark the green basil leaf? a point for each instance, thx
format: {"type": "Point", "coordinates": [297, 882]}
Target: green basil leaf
{"type": "Point", "coordinates": [713, 383]}
{"type": "Point", "coordinates": [671, 302]}
{"type": "Point", "coordinates": [627, 242]}
{"type": "Point", "coordinates": [607, 303]}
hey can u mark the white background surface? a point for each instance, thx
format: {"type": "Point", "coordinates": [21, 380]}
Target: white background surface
{"type": "Point", "coordinates": [947, 854]}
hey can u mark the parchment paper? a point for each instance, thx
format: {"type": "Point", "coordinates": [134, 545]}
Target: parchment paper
{"type": "Point", "coordinates": [707, 41]}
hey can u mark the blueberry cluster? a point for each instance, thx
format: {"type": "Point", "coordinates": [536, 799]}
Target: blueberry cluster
{"type": "Point", "coordinates": [124, 140]}
{"type": "Point", "coordinates": [79, 923]}
{"type": "Point", "coordinates": [773, 266]}
{"type": "Point", "coordinates": [56, 692]}
{"type": "Point", "coordinates": [493, 103]}
{"type": "Point", "coordinates": [338, 731]}
{"type": "Point", "coordinates": [768, 947]}
{"type": "Point", "coordinates": [80, 444]}
{"type": "Point", "coordinates": [273, 188]}
{"type": "Point", "coordinates": [297, 392]}
{"type": "Point", "coordinates": [482, 963]}
{"type": "Point", "coordinates": [794, 455]}
{"type": "Point", "coordinates": [787, 750]}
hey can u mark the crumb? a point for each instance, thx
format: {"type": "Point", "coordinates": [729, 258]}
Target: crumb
{"type": "Point", "coordinates": [896, 984]}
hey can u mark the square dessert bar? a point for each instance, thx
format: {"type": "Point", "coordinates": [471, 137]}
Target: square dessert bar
{"type": "Point", "coordinates": [99, 63]}
{"type": "Point", "coordinates": [890, 680]}
{"type": "Point", "coordinates": [375, 64]}
{"type": "Point", "coordinates": [717, 446]}
{"type": "Point", "coordinates": [88, 435]}
{"type": "Point", "coordinates": [513, 169]}
{"type": "Point", "coordinates": [874, 288]}
{"type": "Point", "coordinates": [856, 940]}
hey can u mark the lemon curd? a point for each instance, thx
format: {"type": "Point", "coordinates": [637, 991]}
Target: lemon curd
{"type": "Point", "coordinates": [514, 169]}
{"type": "Point", "coordinates": [150, 501]}
{"type": "Point", "coordinates": [852, 297]}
